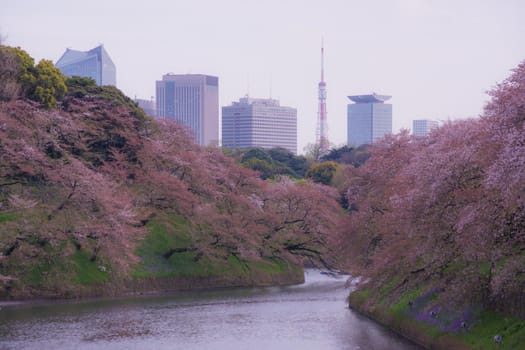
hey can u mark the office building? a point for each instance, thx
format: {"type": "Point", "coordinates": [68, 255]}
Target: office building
{"type": "Point", "coordinates": [422, 127]}
{"type": "Point", "coordinates": [369, 118]}
{"type": "Point", "coordinates": [95, 64]}
{"type": "Point", "coordinates": [193, 101]}
{"type": "Point", "coordinates": [258, 122]}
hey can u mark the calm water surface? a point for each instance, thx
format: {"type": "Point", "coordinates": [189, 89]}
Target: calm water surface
{"type": "Point", "coordinates": [309, 316]}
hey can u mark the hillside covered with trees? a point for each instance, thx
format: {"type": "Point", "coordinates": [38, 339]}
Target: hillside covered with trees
{"type": "Point", "coordinates": [96, 198]}
{"type": "Point", "coordinates": [437, 225]}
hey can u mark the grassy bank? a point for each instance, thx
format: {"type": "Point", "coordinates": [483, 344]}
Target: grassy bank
{"type": "Point", "coordinates": [167, 261]}
{"type": "Point", "coordinates": [420, 316]}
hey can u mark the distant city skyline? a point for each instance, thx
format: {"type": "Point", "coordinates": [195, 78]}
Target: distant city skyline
{"type": "Point", "coordinates": [437, 58]}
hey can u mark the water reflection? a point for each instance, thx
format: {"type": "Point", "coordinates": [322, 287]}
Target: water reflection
{"type": "Point", "coordinates": [309, 316]}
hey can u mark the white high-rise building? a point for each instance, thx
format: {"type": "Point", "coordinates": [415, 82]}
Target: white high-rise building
{"type": "Point", "coordinates": [258, 122]}
{"type": "Point", "coordinates": [193, 101]}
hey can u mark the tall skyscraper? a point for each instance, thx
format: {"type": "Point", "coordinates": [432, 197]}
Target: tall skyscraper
{"type": "Point", "coordinates": [258, 122]}
{"type": "Point", "coordinates": [369, 118]}
{"type": "Point", "coordinates": [422, 127]}
{"type": "Point", "coordinates": [193, 101]}
{"type": "Point", "coordinates": [95, 64]}
{"type": "Point", "coordinates": [322, 122]}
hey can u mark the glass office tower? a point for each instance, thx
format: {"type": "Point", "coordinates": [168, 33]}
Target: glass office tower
{"type": "Point", "coordinates": [193, 101]}
{"type": "Point", "coordinates": [95, 64]}
{"type": "Point", "coordinates": [369, 118]}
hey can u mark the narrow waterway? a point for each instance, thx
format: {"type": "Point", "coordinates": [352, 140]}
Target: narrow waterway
{"type": "Point", "coordinates": [309, 316]}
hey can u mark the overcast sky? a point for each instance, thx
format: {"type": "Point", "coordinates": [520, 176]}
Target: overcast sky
{"type": "Point", "coordinates": [437, 58]}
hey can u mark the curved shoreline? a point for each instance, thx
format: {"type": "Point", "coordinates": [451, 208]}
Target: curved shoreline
{"type": "Point", "coordinates": [412, 331]}
{"type": "Point", "coordinates": [164, 286]}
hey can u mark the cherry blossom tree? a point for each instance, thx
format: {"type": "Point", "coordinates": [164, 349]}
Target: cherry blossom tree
{"type": "Point", "coordinates": [448, 207]}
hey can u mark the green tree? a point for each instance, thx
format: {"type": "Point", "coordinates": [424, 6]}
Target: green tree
{"type": "Point", "coordinates": [80, 86]}
{"type": "Point", "coordinates": [348, 155]}
{"type": "Point", "coordinates": [16, 72]}
{"type": "Point", "coordinates": [281, 154]}
{"type": "Point", "coordinates": [26, 75]}
{"type": "Point", "coordinates": [9, 86]}
{"type": "Point", "coordinates": [265, 169]}
{"type": "Point", "coordinates": [49, 86]}
{"type": "Point", "coordinates": [289, 162]}
{"type": "Point", "coordinates": [258, 153]}
{"type": "Point", "coordinates": [19, 77]}
{"type": "Point", "coordinates": [322, 172]}
{"type": "Point", "coordinates": [277, 161]}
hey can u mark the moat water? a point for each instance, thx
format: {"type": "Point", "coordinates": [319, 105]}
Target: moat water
{"type": "Point", "coordinates": [313, 315]}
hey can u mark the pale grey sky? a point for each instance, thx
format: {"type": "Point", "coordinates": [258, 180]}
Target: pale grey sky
{"type": "Point", "coordinates": [437, 58]}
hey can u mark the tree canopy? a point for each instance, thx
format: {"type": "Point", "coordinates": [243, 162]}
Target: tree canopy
{"type": "Point", "coordinates": [19, 77]}
{"type": "Point", "coordinates": [322, 172]}
{"type": "Point", "coordinates": [347, 155]}
{"type": "Point", "coordinates": [273, 162]}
